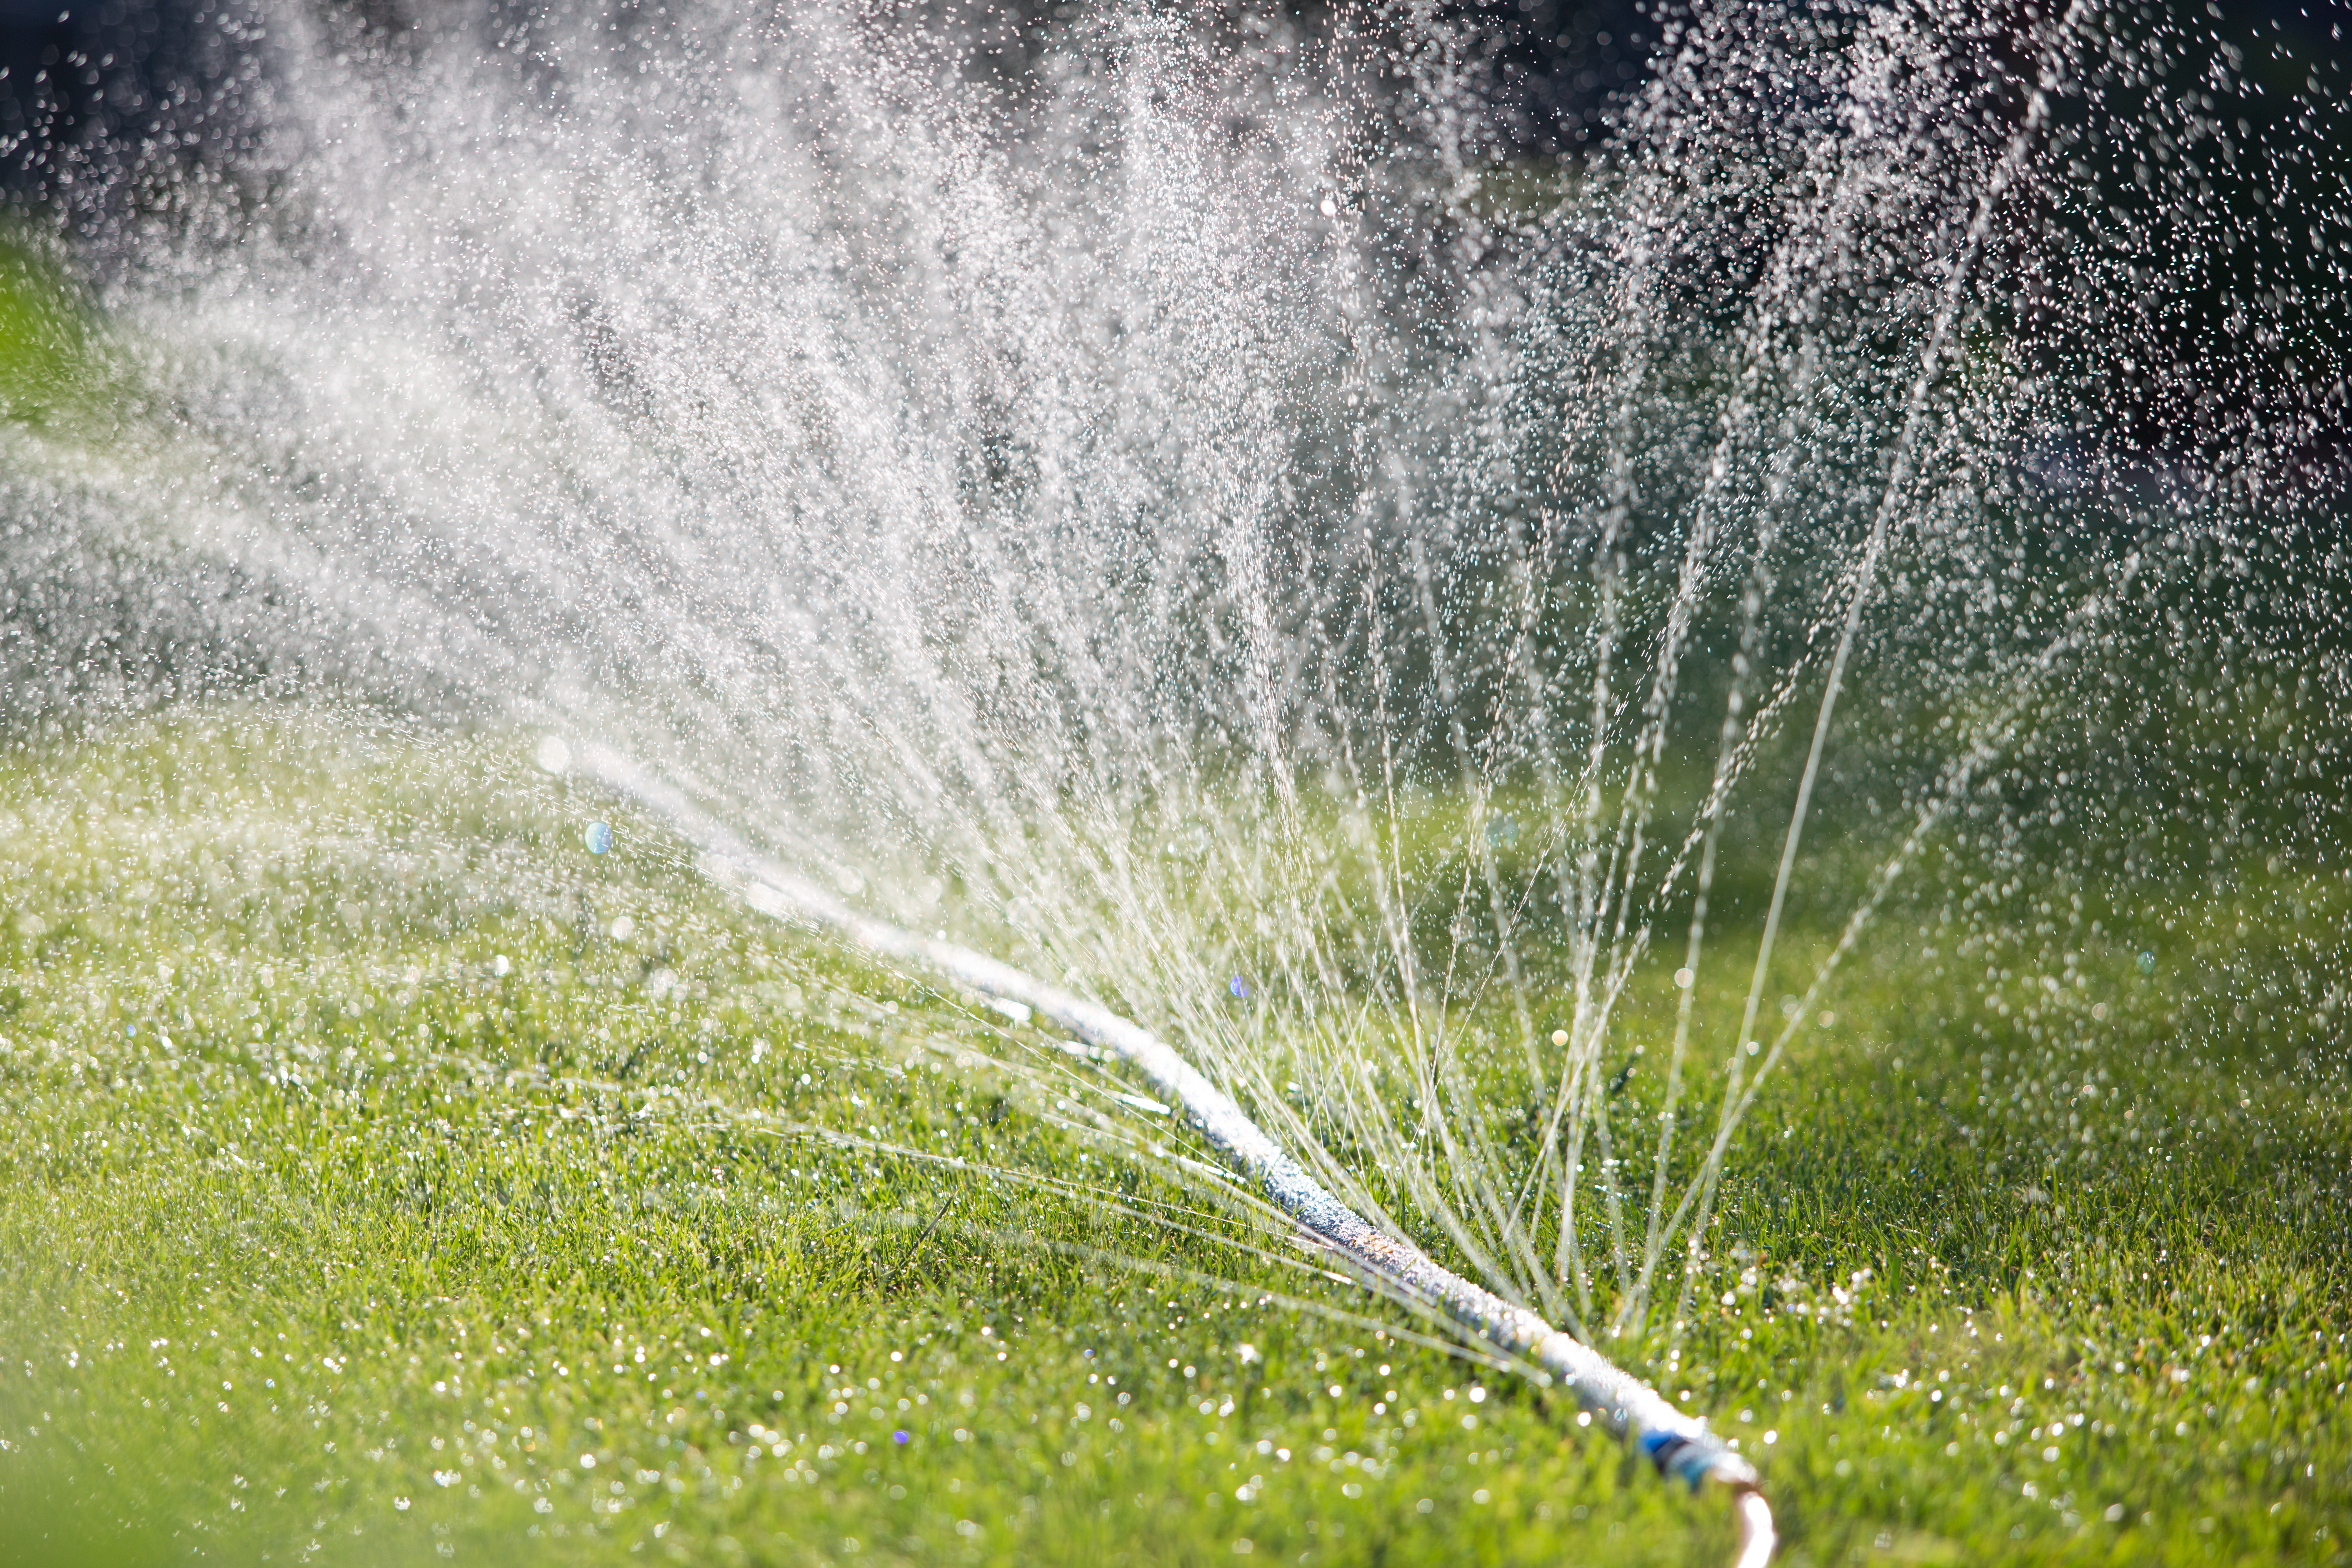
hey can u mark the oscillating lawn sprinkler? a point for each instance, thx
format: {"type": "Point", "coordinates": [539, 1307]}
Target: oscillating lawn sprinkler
{"type": "Point", "coordinates": [1680, 1446]}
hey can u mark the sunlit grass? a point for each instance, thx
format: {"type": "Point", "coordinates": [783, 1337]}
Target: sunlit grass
{"type": "Point", "coordinates": [365, 1130]}
{"type": "Point", "coordinates": [44, 341]}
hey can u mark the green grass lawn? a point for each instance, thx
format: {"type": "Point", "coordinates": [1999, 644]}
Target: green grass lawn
{"type": "Point", "coordinates": [386, 1178]}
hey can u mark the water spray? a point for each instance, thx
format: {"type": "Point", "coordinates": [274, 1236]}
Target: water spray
{"type": "Point", "coordinates": [1680, 1446]}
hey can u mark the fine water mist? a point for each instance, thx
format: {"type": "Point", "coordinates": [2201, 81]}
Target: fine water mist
{"type": "Point", "coordinates": [1465, 642]}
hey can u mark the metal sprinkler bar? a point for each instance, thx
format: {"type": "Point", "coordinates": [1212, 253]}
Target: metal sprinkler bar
{"type": "Point", "coordinates": [1678, 1445]}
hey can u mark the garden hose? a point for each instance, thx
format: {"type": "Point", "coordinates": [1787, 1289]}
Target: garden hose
{"type": "Point", "coordinates": [1680, 1446]}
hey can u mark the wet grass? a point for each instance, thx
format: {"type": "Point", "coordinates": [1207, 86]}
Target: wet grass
{"type": "Point", "coordinates": [44, 339]}
{"type": "Point", "coordinates": [386, 1178]}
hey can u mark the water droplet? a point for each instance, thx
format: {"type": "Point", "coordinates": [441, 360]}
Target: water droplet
{"type": "Point", "coordinates": [597, 837]}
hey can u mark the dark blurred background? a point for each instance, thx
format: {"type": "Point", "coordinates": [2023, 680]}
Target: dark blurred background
{"type": "Point", "coordinates": [2240, 254]}
{"type": "Point", "coordinates": [83, 73]}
